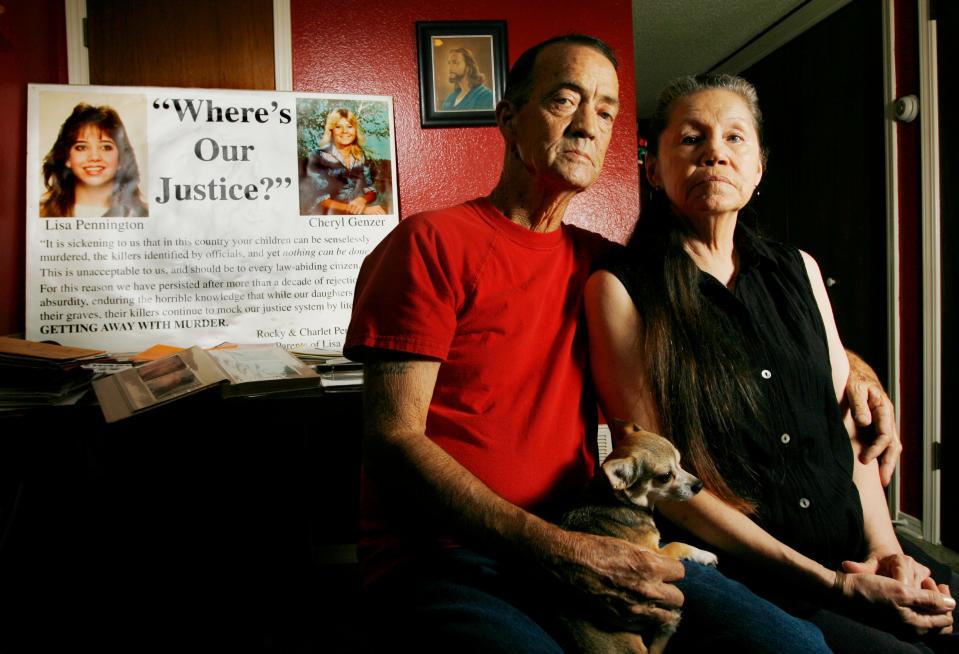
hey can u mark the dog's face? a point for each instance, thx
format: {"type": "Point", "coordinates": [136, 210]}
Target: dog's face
{"type": "Point", "coordinates": [643, 468]}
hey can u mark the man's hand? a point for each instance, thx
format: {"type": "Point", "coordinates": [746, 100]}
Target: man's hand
{"type": "Point", "coordinates": [628, 584]}
{"type": "Point", "coordinates": [870, 405]}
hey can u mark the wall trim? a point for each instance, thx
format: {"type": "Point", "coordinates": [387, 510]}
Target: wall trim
{"type": "Point", "coordinates": [931, 277]}
{"type": "Point", "coordinates": [800, 20]}
{"type": "Point", "coordinates": [282, 45]}
{"type": "Point", "coordinates": [892, 226]}
{"type": "Point", "coordinates": [78, 57]}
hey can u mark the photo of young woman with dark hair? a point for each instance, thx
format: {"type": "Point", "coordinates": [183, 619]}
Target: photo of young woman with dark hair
{"type": "Point", "coordinates": [91, 170]}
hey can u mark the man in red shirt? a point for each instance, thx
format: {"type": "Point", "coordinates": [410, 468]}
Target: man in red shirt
{"type": "Point", "coordinates": [479, 416]}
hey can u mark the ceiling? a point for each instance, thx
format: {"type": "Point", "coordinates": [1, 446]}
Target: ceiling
{"type": "Point", "coordinates": [682, 37]}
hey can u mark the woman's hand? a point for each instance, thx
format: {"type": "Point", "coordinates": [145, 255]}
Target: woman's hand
{"type": "Point", "coordinates": [900, 567]}
{"type": "Point", "coordinates": [944, 589]}
{"type": "Point", "coordinates": [375, 210]}
{"type": "Point", "coordinates": [924, 610]}
{"type": "Point", "coordinates": [357, 205]}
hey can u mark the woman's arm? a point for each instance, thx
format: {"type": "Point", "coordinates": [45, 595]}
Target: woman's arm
{"type": "Point", "coordinates": [880, 535]}
{"type": "Point", "coordinates": [621, 378]}
{"type": "Point", "coordinates": [837, 354]}
{"type": "Point", "coordinates": [616, 353]}
{"type": "Point", "coordinates": [359, 205]}
{"type": "Point", "coordinates": [885, 553]}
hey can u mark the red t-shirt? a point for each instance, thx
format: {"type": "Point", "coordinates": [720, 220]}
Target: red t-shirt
{"type": "Point", "coordinates": [501, 308]}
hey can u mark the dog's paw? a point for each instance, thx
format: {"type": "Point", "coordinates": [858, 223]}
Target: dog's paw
{"type": "Point", "coordinates": [702, 556]}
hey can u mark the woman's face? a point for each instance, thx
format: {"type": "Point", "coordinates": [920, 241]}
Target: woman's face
{"type": "Point", "coordinates": [343, 132]}
{"type": "Point", "coordinates": [709, 160]}
{"type": "Point", "coordinates": [93, 157]}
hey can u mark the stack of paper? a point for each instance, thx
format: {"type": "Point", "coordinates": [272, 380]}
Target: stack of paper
{"type": "Point", "coordinates": [41, 374]}
{"type": "Point", "coordinates": [339, 374]}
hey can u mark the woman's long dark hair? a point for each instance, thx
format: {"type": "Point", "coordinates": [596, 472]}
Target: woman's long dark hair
{"type": "Point", "coordinates": [698, 370]}
{"type": "Point", "coordinates": [60, 181]}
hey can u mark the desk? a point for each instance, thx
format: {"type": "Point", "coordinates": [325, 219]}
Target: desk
{"type": "Point", "coordinates": [193, 525]}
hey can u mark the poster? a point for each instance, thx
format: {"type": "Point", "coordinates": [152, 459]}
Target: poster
{"type": "Point", "coordinates": [196, 217]}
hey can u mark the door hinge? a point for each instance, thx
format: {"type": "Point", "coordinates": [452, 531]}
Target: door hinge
{"type": "Point", "coordinates": [86, 34]}
{"type": "Point", "coordinates": [932, 9]}
{"type": "Point", "coordinates": [937, 455]}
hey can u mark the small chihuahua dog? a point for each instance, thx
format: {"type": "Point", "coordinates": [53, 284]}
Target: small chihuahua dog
{"type": "Point", "coordinates": [642, 469]}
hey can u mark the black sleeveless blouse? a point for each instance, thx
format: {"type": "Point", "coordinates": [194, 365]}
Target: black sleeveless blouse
{"type": "Point", "coordinates": [799, 450]}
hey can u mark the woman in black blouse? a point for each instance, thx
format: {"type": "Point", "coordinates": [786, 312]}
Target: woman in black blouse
{"type": "Point", "coordinates": [725, 343]}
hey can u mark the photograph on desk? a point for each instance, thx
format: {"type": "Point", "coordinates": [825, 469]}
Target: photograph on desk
{"type": "Point", "coordinates": [165, 378]}
{"type": "Point", "coordinates": [155, 383]}
{"type": "Point", "coordinates": [238, 370]}
{"type": "Point", "coordinates": [255, 370]}
{"type": "Point", "coordinates": [201, 216]}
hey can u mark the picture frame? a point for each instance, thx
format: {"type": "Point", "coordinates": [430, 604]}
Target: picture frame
{"type": "Point", "coordinates": [462, 68]}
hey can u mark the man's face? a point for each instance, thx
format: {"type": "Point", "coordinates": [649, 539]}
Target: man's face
{"type": "Point", "coordinates": [562, 132]}
{"type": "Point", "coordinates": [456, 66]}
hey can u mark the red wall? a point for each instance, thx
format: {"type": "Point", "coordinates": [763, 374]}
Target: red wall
{"type": "Point", "coordinates": [373, 51]}
{"type": "Point", "coordinates": [32, 49]}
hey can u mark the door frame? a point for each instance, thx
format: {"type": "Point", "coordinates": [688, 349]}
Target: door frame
{"type": "Point", "coordinates": [929, 526]}
{"type": "Point", "coordinates": [78, 60]}
{"type": "Point", "coordinates": [931, 269]}
{"type": "Point", "coordinates": [892, 240]}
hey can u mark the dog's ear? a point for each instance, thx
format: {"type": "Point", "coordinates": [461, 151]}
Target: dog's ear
{"type": "Point", "coordinates": [620, 427]}
{"type": "Point", "coordinates": [622, 472]}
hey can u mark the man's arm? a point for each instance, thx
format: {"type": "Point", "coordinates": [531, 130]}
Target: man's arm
{"type": "Point", "coordinates": [870, 405]}
{"type": "Point", "coordinates": [424, 485]}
